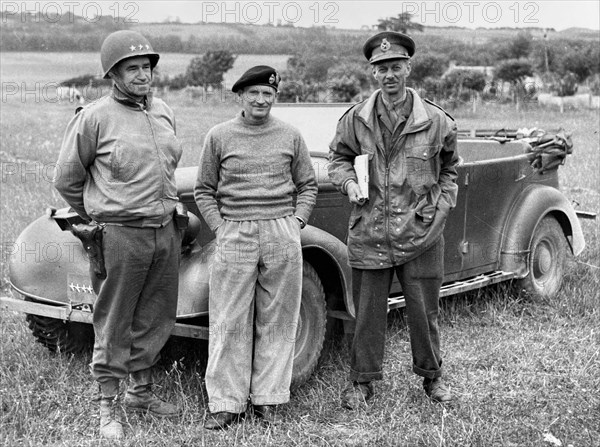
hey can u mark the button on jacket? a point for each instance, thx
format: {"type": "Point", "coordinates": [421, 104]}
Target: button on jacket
{"type": "Point", "coordinates": [117, 162]}
{"type": "Point", "coordinates": [411, 180]}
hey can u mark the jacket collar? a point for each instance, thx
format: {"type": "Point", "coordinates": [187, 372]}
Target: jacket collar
{"type": "Point", "coordinates": [128, 100]}
{"type": "Point", "coordinates": [417, 121]}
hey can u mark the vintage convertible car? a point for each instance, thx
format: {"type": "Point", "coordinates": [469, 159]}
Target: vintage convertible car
{"type": "Point", "coordinates": [511, 223]}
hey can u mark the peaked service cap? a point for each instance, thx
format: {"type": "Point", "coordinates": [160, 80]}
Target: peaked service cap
{"type": "Point", "coordinates": [388, 45]}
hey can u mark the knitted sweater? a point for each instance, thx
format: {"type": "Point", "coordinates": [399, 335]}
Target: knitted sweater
{"type": "Point", "coordinates": [255, 169]}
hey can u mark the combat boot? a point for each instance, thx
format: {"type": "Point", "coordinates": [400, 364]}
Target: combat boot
{"type": "Point", "coordinates": [357, 394]}
{"type": "Point", "coordinates": [437, 390]}
{"type": "Point", "coordinates": [141, 397]}
{"type": "Point", "coordinates": [111, 416]}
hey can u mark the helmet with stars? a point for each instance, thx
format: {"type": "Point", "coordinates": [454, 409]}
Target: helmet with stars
{"type": "Point", "coordinates": [122, 45]}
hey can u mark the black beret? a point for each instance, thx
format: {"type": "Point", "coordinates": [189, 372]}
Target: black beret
{"type": "Point", "coordinates": [388, 45]}
{"type": "Point", "coordinates": [259, 75]}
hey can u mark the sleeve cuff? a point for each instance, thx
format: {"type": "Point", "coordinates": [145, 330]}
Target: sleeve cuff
{"type": "Point", "coordinates": [345, 185]}
{"type": "Point", "coordinates": [216, 226]}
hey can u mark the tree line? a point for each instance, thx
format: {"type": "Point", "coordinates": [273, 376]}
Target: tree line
{"type": "Point", "coordinates": [327, 65]}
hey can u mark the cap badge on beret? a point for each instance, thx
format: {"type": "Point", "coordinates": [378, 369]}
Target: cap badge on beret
{"type": "Point", "coordinates": [385, 45]}
{"type": "Point", "coordinates": [272, 78]}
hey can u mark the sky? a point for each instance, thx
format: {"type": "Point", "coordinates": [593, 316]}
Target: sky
{"type": "Point", "coordinates": [355, 14]}
{"type": "Point", "coordinates": [555, 14]}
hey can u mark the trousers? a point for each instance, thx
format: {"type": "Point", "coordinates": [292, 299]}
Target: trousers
{"type": "Point", "coordinates": [136, 306]}
{"type": "Point", "coordinates": [254, 303]}
{"type": "Point", "coordinates": [420, 279]}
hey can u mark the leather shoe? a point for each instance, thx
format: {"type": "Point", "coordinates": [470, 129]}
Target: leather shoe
{"type": "Point", "coordinates": [269, 414]}
{"type": "Point", "coordinates": [357, 394]}
{"type": "Point", "coordinates": [437, 390]}
{"type": "Point", "coordinates": [221, 420]}
{"type": "Point", "coordinates": [144, 399]}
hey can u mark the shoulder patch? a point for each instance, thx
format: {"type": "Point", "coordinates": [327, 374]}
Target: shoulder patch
{"type": "Point", "coordinates": [435, 105]}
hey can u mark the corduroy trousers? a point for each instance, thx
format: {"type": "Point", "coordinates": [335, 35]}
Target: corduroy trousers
{"type": "Point", "coordinates": [255, 292]}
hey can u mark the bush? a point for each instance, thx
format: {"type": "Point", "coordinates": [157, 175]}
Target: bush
{"type": "Point", "coordinates": [347, 80]}
{"type": "Point", "coordinates": [208, 70]}
{"type": "Point", "coordinates": [564, 84]}
{"type": "Point", "coordinates": [431, 88]}
{"type": "Point", "coordinates": [343, 88]}
{"type": "Point", "coordinates": [513, 70]}
{"type": "Point", "coordinates": [594, 83]}
{"type": "Point", "coordinates": [460, 85]}
{"type": "Point", "coordinates": [519, 47]}
{"type": "Point", "coordinates": [427, 65]}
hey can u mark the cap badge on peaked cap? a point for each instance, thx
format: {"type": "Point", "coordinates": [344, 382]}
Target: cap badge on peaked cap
{"type": "Point", "coordinates": [388, 45]}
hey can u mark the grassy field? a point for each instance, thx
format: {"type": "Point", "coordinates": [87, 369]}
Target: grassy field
{"type": "Point", "coordinates": [524, 370]}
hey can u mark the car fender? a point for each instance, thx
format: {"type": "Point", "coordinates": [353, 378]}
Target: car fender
{"type": "Point", "coordinates": [194, 272]}
{"type": "Point", "coordinates": [533, 204]}
{"type": "Point", "coordinates": [43, 259]}
{"type": "Point", "coordinates": [329, 256]}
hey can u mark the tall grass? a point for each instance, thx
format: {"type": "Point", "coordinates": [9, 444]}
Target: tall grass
{"type": "Point", "coordinates": [522, 368]}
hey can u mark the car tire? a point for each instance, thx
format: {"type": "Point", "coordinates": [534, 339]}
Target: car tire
{"type": "Point", "coordinates": [312, 325]}
{"type": "Point", "coordinates": [59, 336]}
{"type": "Point", "coordinates": [546, 259]}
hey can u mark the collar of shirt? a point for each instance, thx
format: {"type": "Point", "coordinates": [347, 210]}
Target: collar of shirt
{"type": "Point", "coordinates": [128, 100]}
{"type": "Point", "coordinates": [400, 105]}
{"type": "Point", "coordinates": [389, 115]}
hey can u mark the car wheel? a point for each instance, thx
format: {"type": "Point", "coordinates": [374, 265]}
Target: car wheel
{"type": "Point", "coordinates": [311, 329]}
{"type": "Point", "coordinates": [59, 336]}
{"type": "Point", "coordinates": [546, 259]}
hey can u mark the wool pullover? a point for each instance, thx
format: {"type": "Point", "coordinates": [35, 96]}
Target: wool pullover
{"type": "Point", "coordinates": [255, 169]}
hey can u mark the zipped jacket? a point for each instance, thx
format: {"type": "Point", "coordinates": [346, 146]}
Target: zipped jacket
{"type": "Point", "coordinates": [117, 162]}
{"type": "Point", "coordinates": [411, 181]}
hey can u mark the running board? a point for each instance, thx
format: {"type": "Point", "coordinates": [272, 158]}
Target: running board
{"type": "Point", "coordinates": [477, 282]}
{"type": "Point", "coordinates": [67, 313]}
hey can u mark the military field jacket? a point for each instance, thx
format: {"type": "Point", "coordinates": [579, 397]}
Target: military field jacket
{"type": "Point", "coordinates": [412, 182]}
{"type": "Point", "coordinates": [117, 162]}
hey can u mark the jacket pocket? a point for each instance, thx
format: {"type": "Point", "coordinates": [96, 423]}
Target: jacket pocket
{"type": "Point", "coordinates": [421, 166]}
{"type": "Point", "coordinates": [122, 166]}
{"type": "Point", "coordinates": [424, 210]}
